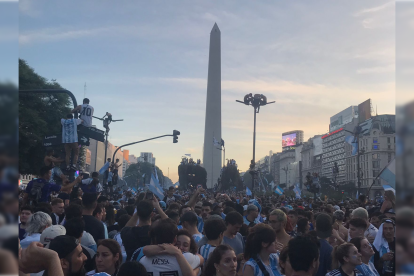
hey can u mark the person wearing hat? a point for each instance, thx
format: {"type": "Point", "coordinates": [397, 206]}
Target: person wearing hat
{"type": "Point", "coordinates": [70, 254]}
{"type": "Point", "coordinates": [50, 233]}
{"type": "Point", "coordinates": [324, 231]}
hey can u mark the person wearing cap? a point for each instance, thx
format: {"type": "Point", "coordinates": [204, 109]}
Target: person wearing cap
{"type": "Point", "coordinates": [70, 254]}
{"type": "Point", "coordinates": [251, 219]}
{"type": "Point", "coordinates": [324, 231]}
{"type": "Point", "coordinates": [50, 233]}
{"type": "Point", "coordinates": [189, 223]}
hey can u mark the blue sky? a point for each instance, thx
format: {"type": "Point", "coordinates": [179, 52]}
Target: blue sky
{"type": "Point", "coordinates": [146, 62]}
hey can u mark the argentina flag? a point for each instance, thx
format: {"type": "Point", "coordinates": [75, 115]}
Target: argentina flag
{"type": "Point", "coordinates": [248, 192]}
{"type": "Point", "coordinates": [279, 190]}
{"type": "Point", "coordinates": [155, 188]}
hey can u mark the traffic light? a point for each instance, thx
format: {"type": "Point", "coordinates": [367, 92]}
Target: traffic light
{"type": "Point", "coordinates": [175, 136]}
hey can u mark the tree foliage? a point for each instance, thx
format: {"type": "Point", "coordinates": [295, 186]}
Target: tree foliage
{"type": "Point", "coordinates": [39, 115]}
{"type": "Point", "coordinates": [230, 178]}
{"type": "Point", "coordinates": [135, 172]}
{"type": "Point", "coordinates": [190, 174]}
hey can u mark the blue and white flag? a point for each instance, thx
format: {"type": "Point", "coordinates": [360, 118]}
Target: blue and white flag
{"type": "Point", "coordinates": [155, 188]}
{"type": "Point", "coordinates": [351, 140]}
{"type": "Point", "coordinates": [248, 192]}
{"type": "Point", "coordinates": [156, 174]}
{"type": "Point", "coordinates": [215, 142]}
{"type": "Point", "coordinates": [388, 188]}
{"type": "Point", "coordinates": [279, 190]}
{"type": "Point", "coordinates": [188, 154]}
{"type": "Point", "coordinates": [388, 174]}
{"type": "Point", "coordinates": [357, 194]}
{"type": "Point", "coordinates": [104, 168]}
{"type": "Point", "coordinates": [297, 191]}
{"type": "Point", "coordinates": [143, 175]}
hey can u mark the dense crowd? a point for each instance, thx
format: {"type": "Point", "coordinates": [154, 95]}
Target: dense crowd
{"type": "Point", "coordinates": [73, 229]}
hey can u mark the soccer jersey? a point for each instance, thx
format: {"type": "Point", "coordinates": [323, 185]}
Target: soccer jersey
{"type": "Point", "coordinates": [167, 265]}
{"type": "Point", "coordinates": [86, 115]}
{"type": "Point", "coordinates": [70, 130]}
{"type": "Point", "coordinates": [206, 250]}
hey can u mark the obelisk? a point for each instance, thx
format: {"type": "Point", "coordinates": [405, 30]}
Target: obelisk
{"type": "Point", "coordinates": [212, 129]}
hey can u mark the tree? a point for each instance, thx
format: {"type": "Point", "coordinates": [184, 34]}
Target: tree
{"type": "Point", "coordinates": [190, 174]}
{"type": "Point", "coordinates": [39, 114]}
{"type": "Point", "coordinates": [135, 172]}
{"type": "Point", "coordinates": [231, 178]}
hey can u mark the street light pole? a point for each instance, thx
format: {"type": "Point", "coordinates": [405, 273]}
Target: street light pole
{"type": "Point", "coordinates": [256, 101]}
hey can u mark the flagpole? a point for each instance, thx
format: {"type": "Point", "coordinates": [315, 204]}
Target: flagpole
{"type": "Point", "coordinates": [377, 177]}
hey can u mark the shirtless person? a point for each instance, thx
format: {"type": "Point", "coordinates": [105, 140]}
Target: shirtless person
{"type": "Point", "coordinates": [278, 220]}
{"type": "Point", "coordinates": [50, 160]}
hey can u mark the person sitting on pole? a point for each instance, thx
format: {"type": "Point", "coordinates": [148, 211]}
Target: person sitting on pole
{"type": "Point", "coordinates": [86, 112]}
{"type": "Point", "coordinates": [70, 139]}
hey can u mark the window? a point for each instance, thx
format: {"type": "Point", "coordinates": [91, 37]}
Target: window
{"type": "Point", "coordinates": [375, 147]}
{"type": "Point", "coordinates": [375, 173]}
{"type": "Point", "coordinates": [375, 156]}
{"type": "Point", "coordinates": [388, 140]}
{"type": "Point", "coordinates": [375, 140]}
{"type": "Point", "coordinates": [375, 164]}
{"type": "Point", "coordinates": [389, 146]}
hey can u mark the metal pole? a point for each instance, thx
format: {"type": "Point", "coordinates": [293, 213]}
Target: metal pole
{"type": "Point", "coordinates": [54, 91]}
{"type": "Point", "coordinates": [254, 143]}
{"type": "Point", "coordinates": [358, 164]}
{"type": "Point", "coordinates": [106, 148]}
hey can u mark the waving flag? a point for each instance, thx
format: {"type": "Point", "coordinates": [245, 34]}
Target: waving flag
{"type": "Point", "coordinates": [351, 140]}
{"type": "Point", "coordinates": [215, 142]}
{"type": "Point", "coordinates": [388, 188]}
{"type": "Point", "coordinates": [104, 168]}
{"type": "Point", "coordinates": [248, 192]}
{"type": "Point", "coordinates": [279, 190]}
{"type": "Point", "coordinates": [188, 154]}
{"type": "Point", "coordinates": [388, 174]}
{"type": "Point", "coordinates": [155, 188]}
{"type": "Point", "coordinates": [297, 191]}
{"type": "Point", "coordinates": [156, 174]}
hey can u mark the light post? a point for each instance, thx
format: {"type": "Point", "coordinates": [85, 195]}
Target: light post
{"type": "Point", "coordinates": [356, 133]}
{"type": "Point", "coordinates": [256, 101]}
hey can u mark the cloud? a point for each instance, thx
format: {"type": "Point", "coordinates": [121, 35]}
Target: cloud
{"type": "Point", "coordinates": [374, 9]}
{"type": "Point", "coordinates": [377, 69]}
{"type": "Point", "coordinates": [210, 17]}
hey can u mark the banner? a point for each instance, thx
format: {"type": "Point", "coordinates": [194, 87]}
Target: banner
{"type": "Point", "coordinates": [104, 168]}
{"type": "Point", "coordinates": [388, 174]}
{"type": "Point", "coordinates": [155, 188]}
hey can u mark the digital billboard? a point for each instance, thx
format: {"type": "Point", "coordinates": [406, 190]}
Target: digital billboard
{"type": "Point", "coordinates": [289, 140]}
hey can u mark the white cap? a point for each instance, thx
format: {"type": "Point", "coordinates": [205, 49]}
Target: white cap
{"type": "Point", "coordinates": [50, 233]}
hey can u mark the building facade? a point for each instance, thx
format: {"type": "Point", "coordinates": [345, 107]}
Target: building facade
{"type": "Point", "coordinates": [311, 157]}
{"type": "Point", "coordinates": [146, 157]}
{"type": "Point", "coordinates": [376, 151]}
{"type": "Point", "coordinates": [275, 168]}
{"type": "Point", "coordinates": [285, 169]}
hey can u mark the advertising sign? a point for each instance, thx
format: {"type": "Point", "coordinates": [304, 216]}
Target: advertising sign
{"type": "Point", "coordinates": [289, 140]}
{"type": "Point", "coordinates": [364, 111]}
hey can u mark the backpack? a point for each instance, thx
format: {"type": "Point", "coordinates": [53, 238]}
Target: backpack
{"type": "Point", "coordinates": [36, 191]}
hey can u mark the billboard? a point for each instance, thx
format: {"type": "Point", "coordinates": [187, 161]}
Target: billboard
{"type": "Point", "coordinates": [364, 111]}
{"type": "Point", "coordinates": [289, 140]}
{"type": "Point", "coordinates": [342, 118]}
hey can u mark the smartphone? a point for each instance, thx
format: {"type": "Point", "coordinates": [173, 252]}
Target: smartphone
{"type": "Point", "coordinates": [149, 196]}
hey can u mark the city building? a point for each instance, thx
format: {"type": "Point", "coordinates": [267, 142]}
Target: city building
{"type": "Point", "coordinates": [311, 156]}
{"type": "Point", "coordinates": [97, 156]}
{"type": "Point", "coordinates": [133, 159]}
{"type": "Point", "coordinates": [146, 157]}
{"type": "Point", "coordinates": [376, 151]}
{"type": "Point", "coordinates": [286, 158]}
{"type": "Point", "coordinates": [291, 139]}
{"type": "Point", "coordinates": [275, 167]}
{"type": "Point", "coordinates": [342, 118]}
{"type": "Point", "coordinates": [263, 165]}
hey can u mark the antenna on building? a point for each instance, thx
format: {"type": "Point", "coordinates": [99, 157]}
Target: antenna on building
{"type": "Point", "coordinates": [84, 91]}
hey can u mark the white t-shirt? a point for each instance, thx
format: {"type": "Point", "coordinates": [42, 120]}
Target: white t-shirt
{"type": "Point", "coordinates": [70, 130]}
{"type": "Point", "coordinates": [86, 115]}
{"type": "Point", "coordinates": [167, 265]}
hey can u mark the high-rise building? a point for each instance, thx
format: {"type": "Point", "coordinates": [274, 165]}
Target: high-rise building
{"type": "Point", "coordinates": [311, 156]}
{"type": "Point", "coordinates": [275, 167]}
{"type": "Point", "coordinates": [147, 157]}
{"type": "Point", "coordinates": [377, 149]}
{"type": "Point", "coordinates": [133, 159]}
{"type": "Point", "coordinates": [212, 130]}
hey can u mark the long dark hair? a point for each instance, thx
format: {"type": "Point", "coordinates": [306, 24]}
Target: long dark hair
{"type": "Point", "coordinates": [215, 258]}
{"type": "Point", "coordinates": [261, 233]}
{"type": "Point", "coordinates": [193, 244]}
{"type": "Point", "coordinates": [114, 247]}
{"type": "Point", "coordinates": [339, 253]}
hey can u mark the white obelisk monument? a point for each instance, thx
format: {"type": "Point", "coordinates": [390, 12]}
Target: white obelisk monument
{"type": "Point", "coordinates": [212, 129]}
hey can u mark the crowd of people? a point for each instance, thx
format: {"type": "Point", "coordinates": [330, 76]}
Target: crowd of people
{"type": "Point", "coordinates": [199, 232]}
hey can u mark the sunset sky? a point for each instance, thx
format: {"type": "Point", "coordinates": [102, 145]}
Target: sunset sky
{"type": "Point", "coordinates": [146, 62]}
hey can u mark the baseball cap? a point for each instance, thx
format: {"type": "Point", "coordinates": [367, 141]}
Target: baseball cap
{"type": "Point", "coordinates": [323, 226]}
{"type": "Point", "coordinates": [50, 233]}
{"type": "Point", "coordinates": [63, 245]}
